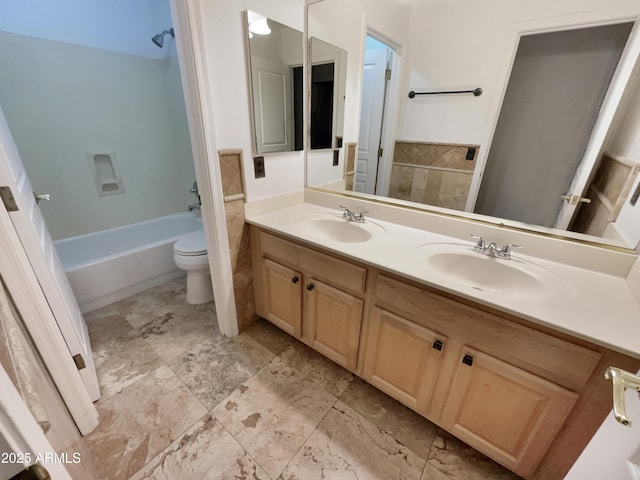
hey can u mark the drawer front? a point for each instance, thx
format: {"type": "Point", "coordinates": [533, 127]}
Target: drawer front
{"type": "Point", "coordinates": [325, 267]}
{"type": "Point", "coordinates": [552, 358]}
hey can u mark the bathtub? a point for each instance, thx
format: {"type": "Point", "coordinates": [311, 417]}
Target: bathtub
{"type": "Point", "coordinates": [109, 265]}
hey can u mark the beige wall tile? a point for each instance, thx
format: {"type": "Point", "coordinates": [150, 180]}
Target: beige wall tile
{"type": "Point", "coordinates": [231, 171]}
{"type": "Point", "coordinates": [238, 236]}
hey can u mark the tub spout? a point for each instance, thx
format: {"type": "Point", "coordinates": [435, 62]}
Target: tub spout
{"type": "Point", "coordinates": [195, 206]}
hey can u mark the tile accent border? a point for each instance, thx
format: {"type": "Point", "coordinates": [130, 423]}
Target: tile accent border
{"type": "Point", "coordinates": [233, 189]}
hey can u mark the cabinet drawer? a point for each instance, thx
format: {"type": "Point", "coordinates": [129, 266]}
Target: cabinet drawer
{"type": "Point", "coordinates": [550, 357]}
{"type": "Point", "coordinates": [337, 272]}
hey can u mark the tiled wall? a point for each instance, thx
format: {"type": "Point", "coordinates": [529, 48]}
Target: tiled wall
{"type": "Point", "coordinates": [432, 173]}
{"type": "Point", "coordinates": [350, 165]}
{"type": "Point", "coordinates": [608, 191]}
{"type": "Point", "coordinates": [238, 235]}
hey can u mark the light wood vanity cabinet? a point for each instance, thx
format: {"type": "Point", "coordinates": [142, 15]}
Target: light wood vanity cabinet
{"type": "Point", "coordinates": [312, 296]}
{"type": "Point", "coordinates": [485, 392]}
{"type": "Point", "coordinates": [526, 396]}
{"type": "Point", "coordinates": [504, 411]}
{"type": "Point", "coordinates": [403, 358]}
{"type": "Point", "coordinates": [282, 296]}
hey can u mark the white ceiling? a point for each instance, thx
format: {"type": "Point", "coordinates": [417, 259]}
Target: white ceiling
{"type": "Point", "coordinates": [124, 26]}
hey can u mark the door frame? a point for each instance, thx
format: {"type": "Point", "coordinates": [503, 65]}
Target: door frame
{"type": "Point", "coordinates": [390, 112]}
{"type": "Point", "coordinates": [20, 430]}
{"type": "Point", "coordinates": [190, 46]}
{"type": "Point", "coordinates": [593, 18]}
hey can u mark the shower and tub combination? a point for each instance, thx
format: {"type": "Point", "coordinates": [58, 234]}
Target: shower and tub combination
{"type": "Point", "coordinates": [109, 265]}
{"type": "Point", "coordinates": [112, 264]}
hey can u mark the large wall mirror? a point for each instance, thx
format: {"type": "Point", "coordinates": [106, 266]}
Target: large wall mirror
{"type": "Point", "coordinates": [275, 63]}
{"type": "Point", "coordinates": [476, 155]}
{"type": "Point", "coordinates": [327, 85]}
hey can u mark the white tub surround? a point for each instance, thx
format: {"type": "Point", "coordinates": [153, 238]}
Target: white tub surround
{"type": "Point", "coordinates": [107, 266]}
{"type": "Point", "coordinates": [599, 306]}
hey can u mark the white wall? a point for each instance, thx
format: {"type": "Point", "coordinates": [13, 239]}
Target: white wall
{"type": "Point", "coordinates": [460, 44]}
{"type": "Point", "coordinates": [229, 88]}
{"type": "Point", "coordinates": [344, 24]}
{"type": "Point", "coordinates": [123, 26]}
{"type": "Point", "coordinates": [63, 100]}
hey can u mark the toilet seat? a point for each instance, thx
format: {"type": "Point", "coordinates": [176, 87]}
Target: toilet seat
{"type": "Point", "coordinates": [192, 244]}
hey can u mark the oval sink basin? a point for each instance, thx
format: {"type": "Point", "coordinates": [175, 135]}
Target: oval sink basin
{"type": "Point", "coordinates": [514, 278]}
{"type": "Point", "coordinates": [334, 228]}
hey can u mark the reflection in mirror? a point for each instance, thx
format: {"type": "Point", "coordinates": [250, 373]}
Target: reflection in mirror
{"type": "Point", "coordinates": [275, 58]}
{"type": "Point", "coordinates": [328, 82]}
{"type": "Point", "coordinates": [458, 152]}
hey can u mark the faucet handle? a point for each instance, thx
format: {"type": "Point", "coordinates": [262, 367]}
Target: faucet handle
{"type": "Point", "coordinates": [480, 246]}
{"type": "Point", "coordinates": [506, 249]}
{"type": "Point", "coordinates": [347, 213]}
{"type": "Point", "coordinates": [359, 217]}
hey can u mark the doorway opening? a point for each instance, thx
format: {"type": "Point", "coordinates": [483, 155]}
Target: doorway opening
{"type": "Point", "coordinates": [372, 153]}
{"type": "Point", "coordinates": [557, 88]}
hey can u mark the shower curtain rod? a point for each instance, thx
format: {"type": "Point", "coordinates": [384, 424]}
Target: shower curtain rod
{"type": "Point", "coordinates": [476, 93]}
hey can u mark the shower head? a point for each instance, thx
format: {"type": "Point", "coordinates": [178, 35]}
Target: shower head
{"type": "Point", "coordinates": [158, 39]}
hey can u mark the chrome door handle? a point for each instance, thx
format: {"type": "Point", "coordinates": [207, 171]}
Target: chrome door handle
{"type": "Point", "coordinates": [42, 196]}
{"type": "Point", "coordinates": [621, 381]}
{"type": "Point", "coordinates": [574, 199]}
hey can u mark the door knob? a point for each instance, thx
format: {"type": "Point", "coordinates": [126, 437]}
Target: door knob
{"type": "Point", "coordinates": [42, 196]}
{"type": "Point", "coordinates": [574, 199]}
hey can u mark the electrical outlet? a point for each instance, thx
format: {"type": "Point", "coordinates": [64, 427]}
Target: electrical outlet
{"type": "Point", "coordinates": [471, 153]}
{"type": "Point", "coordinates": [336, 157]}
{"type": "Point", "coordinates": [634, 197]}
{"type": "Point", "coordinates": [258, 167]}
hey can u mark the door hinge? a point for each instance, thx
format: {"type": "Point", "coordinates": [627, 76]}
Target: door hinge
{"type": "Point", "coordinates": [380, 151]}
{"type": "Point", "coordinates": [387, 74]}
{"type": "Point", "coordinates": [79, 361]}
{"type": "Point", "coordinates": [8, 199]}
{"type": "Point", "coordinates": [34, 472]}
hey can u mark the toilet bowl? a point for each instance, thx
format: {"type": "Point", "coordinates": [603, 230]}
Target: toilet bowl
{"type": "Point", "coordinates": [190, 255]}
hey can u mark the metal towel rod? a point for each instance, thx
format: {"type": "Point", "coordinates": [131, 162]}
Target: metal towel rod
{"type": "Point", "coordinates": [476, 93]}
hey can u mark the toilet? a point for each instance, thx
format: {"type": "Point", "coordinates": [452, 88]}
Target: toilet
{"type": "Point", "coordinates": [190, 255]}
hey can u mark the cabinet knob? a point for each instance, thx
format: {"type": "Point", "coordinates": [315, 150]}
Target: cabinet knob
{"type": "Point", "coordinates": [467, 360]}
{"type": "Point", "coordinates": [294, 279]}
{"type": "Point", "coordinates": [310, 286]}
{"type": "Point", "coordinates": [437, 345]}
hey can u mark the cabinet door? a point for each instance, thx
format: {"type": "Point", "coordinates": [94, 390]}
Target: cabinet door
{"type": "Point", "coordinates": [332, 322]}
{"type": "Point", "coordinates": [403, 358]}
{"type": "Point", "coordinates": [505, 412]}
{"type": "Point", "coordinates": [282, 290]}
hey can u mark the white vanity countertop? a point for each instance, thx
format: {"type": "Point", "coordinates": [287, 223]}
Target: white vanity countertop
{"type": "Point", "coordinates": [602, 308]}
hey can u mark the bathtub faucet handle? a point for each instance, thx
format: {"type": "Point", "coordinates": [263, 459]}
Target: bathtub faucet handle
{"type": "Point", "coordinates": [194, 189]}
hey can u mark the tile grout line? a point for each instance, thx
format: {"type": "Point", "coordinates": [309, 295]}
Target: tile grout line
{"type": "Point", "coordinates": [309, 436]}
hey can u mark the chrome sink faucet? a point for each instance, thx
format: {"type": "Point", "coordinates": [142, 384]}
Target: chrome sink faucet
{"type": "Point", "coordinates": [352, 216]}
{"type": "Point", "coordinates": [492, 249]}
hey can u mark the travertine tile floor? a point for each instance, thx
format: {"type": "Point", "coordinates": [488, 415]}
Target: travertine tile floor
{"type": "Point", "coordinates": [181, 401]}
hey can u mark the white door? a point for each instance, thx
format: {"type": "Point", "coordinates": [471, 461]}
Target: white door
{"type": "Point", "coordinates": [273, 105]}
{"type": "Point", "coordinates": [373, 83]}
{"type": "Point", "coordinates": [583, 173]}
{"type": "Point", "coordinates": [614, 451]}
{"type": "Point", "coordinates": [36, 241]}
